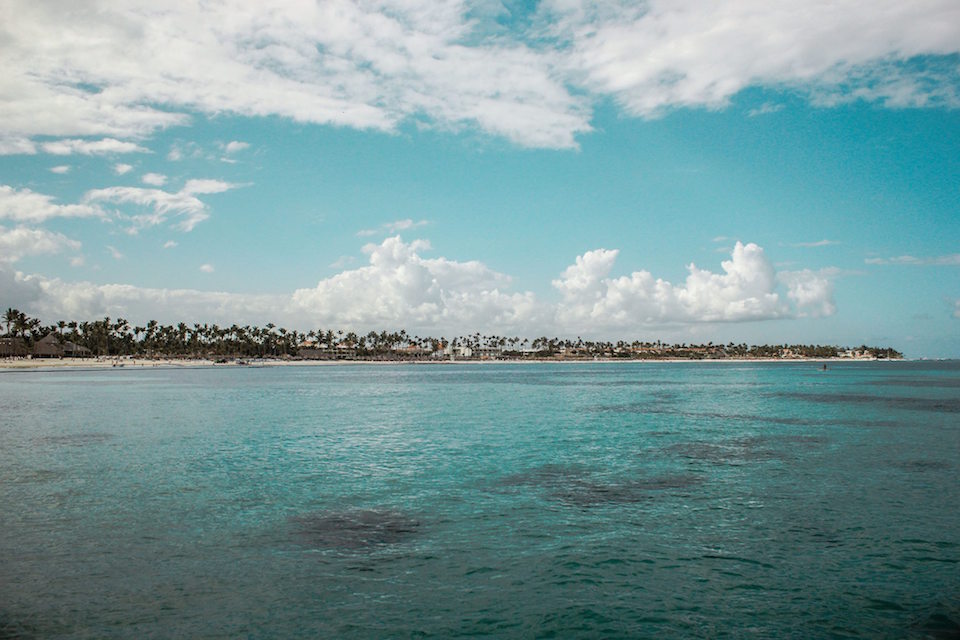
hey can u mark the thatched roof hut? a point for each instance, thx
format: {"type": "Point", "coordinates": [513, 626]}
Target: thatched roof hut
{"type": "Point", "coordinates": [48, 347]}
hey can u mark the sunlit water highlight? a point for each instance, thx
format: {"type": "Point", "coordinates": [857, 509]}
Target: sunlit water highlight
{"type": "Point", "coordinates": [575, 500]}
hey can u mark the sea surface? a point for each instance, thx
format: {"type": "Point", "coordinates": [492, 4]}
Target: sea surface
{"type": "Point", "coordinates": [634, 500]}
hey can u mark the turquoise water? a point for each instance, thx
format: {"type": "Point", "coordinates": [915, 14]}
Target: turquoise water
{"type": "Point", "coordinates": [555, 501]}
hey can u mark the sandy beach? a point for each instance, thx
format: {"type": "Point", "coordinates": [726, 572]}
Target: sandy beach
{"type": "Point", "coordinates": [80, 364]}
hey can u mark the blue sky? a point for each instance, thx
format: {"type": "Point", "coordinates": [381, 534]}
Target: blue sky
{"type": "Point", "coordinates": [639, 170]}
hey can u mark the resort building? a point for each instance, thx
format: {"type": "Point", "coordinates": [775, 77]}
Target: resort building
{"type": "Point", "coordinates": [50, 347]}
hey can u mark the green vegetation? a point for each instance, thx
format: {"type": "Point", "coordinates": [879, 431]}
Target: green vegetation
{"type": "Point", "coordinates": [108, 337]}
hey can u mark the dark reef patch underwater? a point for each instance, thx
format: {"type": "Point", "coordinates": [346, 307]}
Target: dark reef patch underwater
{"type": "Point", "coordinates": [577, 486]}
{"type": "Point", "coordinates": [354, 528]}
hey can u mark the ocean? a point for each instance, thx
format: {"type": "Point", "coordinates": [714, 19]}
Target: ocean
{"type": "Point", "coordinates": [593, 500]}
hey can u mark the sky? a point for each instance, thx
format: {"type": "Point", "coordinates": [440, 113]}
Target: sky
{"type": "Point", "coordinates": [736, 170]}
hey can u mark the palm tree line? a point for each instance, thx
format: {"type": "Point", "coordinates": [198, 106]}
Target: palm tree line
{"type": "Point", "coordinates": [117, 337]}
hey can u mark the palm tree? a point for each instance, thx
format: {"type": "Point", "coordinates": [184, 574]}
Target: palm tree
{"type": "Point", "coordinates": [10, 316]}
{"type": "Point", "coordinates": [20, 323]}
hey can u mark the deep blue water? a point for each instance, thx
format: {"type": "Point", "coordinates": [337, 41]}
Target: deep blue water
{"type": "Point", "coordinates": [553, 501]}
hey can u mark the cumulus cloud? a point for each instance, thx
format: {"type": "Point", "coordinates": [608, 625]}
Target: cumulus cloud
{"type": "Point", "coordinates": [91, 147]}
{"type": "Point", "coordinates": [24, 205]}
{"type": "Point", "coordinates": [155, 179]}
{"type": "Point", "coordinates": [391, 228]}
{"type": "Point", "coordinates": [121, 168]}
{"type": "Point", "coordinates": [19, 292]}
{"type": "Point", "coordinates": [61, 169]}
{"type": "Point", "coordinates": [811, 291]}
{"type": "Point", "coordinates": [399, 286]}
{"type": "Point", "coordinates": [184, 204]}
{"type": "Point", "coordinates": [23, 241]}
{"type": "Point", "coordinates": [206, 268]}
{"type": "Point", "coordinates": [746, 290]}
{"type": "Point", "coordinates": [169, 244]}
{"type": "Point", "coordinates": [952, 259]}
{"type": "Point", "coordinates": [115, 253]}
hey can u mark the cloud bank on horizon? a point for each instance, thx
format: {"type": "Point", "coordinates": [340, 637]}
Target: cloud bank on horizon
{"type": "Point", "coordinates": [399, 287]}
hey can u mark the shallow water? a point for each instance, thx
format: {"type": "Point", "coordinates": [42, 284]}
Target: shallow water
{"type": "Point", "coordinates": [576, 500]}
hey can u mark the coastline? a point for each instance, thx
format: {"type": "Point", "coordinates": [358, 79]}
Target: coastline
{"type": "Point", "coordinates": [97, 364]}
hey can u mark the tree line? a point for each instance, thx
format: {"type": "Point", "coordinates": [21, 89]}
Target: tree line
{"type": "Point", "coordinates": [117, 337]}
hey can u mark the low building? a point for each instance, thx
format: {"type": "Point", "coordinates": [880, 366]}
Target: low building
{"type": "Point", "coordinates": [488, 353]}
{"type": "Point", "coordinates": [458, 351]}
{"type": "Point", "coordinates": [50, 346]}
{"type": "Point", "coordinates": [413, 351]}
{"type": "Point", "coordinates": [72, 350]}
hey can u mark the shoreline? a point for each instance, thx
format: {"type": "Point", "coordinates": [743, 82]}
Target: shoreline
{"type": "Point", "coordinates": [138, 364]}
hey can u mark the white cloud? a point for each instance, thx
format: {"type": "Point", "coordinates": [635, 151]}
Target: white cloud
{"type": "Point", "coordinates": [956, 308]}
{"type": "Point", "coordinates": [391, 228]}
{"type": "Point", "coordinates": [61, 169]}
{"type": "Point", "coordinates": [235, 146]}
{"type": "Point", "coordinates": [811, 291]}
{"type": "Point", "coordinates": [121, 168]}
{"type": "Point", "coordinates": [764, 109]}
{"type": "Point", "coordinates": [91, 147]}
{"type": "Point", "coordinates": [77, 261]}
{"type": "Point", "coordinates": [15, 145]}
{"type": "Point", "coordinates": [685, 53]}
{"type": "Point", "coordinates": [52, 298]}
{"type": "Point", "coordinates": [169, 244]}
{"type": "Point", "coordinates": [95, 70]}
{"type": "Point", "coordinates": [818, 243]}
{"type": "Point", "coordinates": [206, 268]}
{"type": "Point", "coordinates": [952, 259]}
{"type": "Point", "coordinates": [18, 292]}
{"type": "Point", "coordinates": [24, 205]}
{"type": "Point", "coordinates": [184, 203]}
{"type": "Point", "coordinates": [115, 253]}
{"type": "Point", "coordinates": [22, 241]}
{"type": "Point", "coordinates": [125, 70]}
{"type": "Point", "coordinates": [155, 179]}
{"type": "Point", "coordinates": [399, 286]}
{"type": "Point", "coordinates": [207, 186]}
{"type": "Point", "coordinates": [593, 301]}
